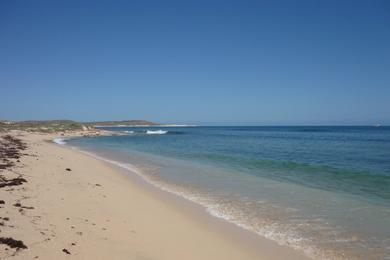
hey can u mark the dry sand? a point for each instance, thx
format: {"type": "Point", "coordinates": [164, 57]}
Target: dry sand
{"type": "Point", "coordinates": [95, 211]}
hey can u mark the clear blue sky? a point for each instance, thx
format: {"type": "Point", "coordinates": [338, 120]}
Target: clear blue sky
{"type": "Point", "coordinates": [225, 62]}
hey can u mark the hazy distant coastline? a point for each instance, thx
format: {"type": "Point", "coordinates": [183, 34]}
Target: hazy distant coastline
{"type": "Point", "coordinates": [51, 126]}
{"type": "Point", "coordinates": [157, 125]}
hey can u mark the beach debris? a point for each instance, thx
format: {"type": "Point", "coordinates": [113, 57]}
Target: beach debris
{"type": "Point", "coordinates": [6, 165]}
{"type": "Point", "coordinates": [66, 251]}
{"type": "Point", "coordinates": [11, 182]}
{"type": "Point", "coordinates": [68, 169]}
{"type": "Point", "coordinates": [12, 243]}
{"type": "Point", "coordinates": [22, 207]}
{"type": "Point", "coordinates": [97, 184]}
{"type": "Point", "coordinates": [10, 148]}
{"type": "Point", "coordinates": [2, 202]}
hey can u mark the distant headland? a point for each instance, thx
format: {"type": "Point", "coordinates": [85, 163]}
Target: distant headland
{"type": "Point", "coordinates": [70, 125]}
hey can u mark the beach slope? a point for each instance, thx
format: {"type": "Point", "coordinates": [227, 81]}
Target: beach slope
{"type": "Point", "coordinates": [75, 206]}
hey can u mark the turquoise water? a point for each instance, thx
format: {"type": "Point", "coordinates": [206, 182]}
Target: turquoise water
{"type": "Point", "coordinates": [322, 190]}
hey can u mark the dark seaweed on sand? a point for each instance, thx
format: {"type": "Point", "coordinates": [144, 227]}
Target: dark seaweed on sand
{"type": "Point", "coordinates": [66, 251]}
{"type": "Point", "coordinates": [10, 149]}
{"type": "Point", "coordinates": [11, 182]}
{"type": "Point", "coordinates": [12, 243]}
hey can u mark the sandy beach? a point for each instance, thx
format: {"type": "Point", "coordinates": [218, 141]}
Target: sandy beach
{"type": "Point", "coordinates": [75, 206]}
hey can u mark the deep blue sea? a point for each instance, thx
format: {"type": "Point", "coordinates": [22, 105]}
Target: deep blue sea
{"type": "Point", "coordinates": [321, 189]}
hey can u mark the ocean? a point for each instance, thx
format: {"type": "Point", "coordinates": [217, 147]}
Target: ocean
{"type": "Point", "coordinates": [324, 190]}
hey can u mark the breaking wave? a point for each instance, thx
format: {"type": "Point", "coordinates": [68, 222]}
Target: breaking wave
{"type": "Point", "coordinates": [156, 132]}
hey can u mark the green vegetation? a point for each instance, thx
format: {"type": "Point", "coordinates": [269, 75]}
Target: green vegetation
{"type": "Point", "coordinates": [41, 126]}
{"type": "Point", "coordinates": [51, 126]}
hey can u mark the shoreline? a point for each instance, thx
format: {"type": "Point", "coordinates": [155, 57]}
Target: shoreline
{"type": "Point", "coordinates": [253, 241]}
{"type": "Point", "coordinates": [183, 229]}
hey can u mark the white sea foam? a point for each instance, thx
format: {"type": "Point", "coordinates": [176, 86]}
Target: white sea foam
{"type": "Point", "coordinates": [156, 132]}
{"type": "Point", "coordinates": [60, 141]}
{"type": "Point", "coordinates": [129, 132]}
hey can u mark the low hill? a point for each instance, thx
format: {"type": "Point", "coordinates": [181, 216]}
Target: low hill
{"type": "Point", "coordinates": [49, 126]}
{"type": "Point", "coordinates": [42, 126]}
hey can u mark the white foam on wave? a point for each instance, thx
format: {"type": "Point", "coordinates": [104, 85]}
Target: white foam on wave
{"type": "Point", "coordinates": [60, 141]}
{"type": "Point", "coordinates": [156, 132]}
{"type": "Point", "coordinates": [129, 132]}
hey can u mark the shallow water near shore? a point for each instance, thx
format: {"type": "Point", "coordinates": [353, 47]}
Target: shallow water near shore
{"type": "Point", "coordinates": [322, 190]}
